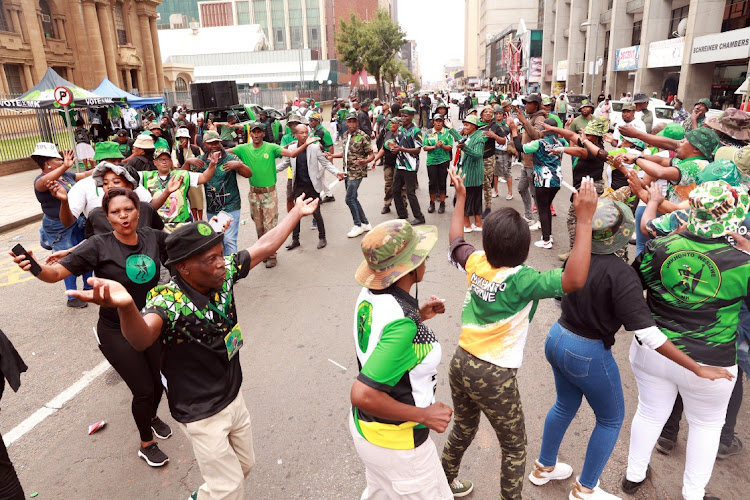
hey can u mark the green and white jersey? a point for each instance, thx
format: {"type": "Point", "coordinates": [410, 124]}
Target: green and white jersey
{"type": "Point", "coordinates": [409, 138]}
{"type": "Point", "coordinates": [399, 355]}
{"type": "Point", "coordinates": [696, 287]}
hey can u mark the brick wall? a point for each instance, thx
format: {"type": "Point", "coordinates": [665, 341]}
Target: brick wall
{"type": "Point", "coordinates": [15, 166]}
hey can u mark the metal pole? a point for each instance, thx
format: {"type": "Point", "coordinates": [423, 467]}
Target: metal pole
{"type": "Point", "coordinates": [72, 139]}
{"type": "Point", "coordinates": [596, 48]}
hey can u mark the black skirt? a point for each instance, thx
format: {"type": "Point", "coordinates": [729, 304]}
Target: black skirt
{"type": "Point", "coordinates": [473, 204]}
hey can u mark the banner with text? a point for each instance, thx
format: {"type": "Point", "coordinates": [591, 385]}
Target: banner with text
{"type": "Point", "coordinates": [725, 46]}
{"type": "Point", "coordinates": [665, 53]}
{"type": "Point", "coordinates": [626, 59]}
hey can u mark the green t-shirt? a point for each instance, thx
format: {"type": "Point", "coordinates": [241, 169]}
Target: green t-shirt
{"type": "Point", "coordinates": [689, 169]}
{"type": "Point", "coordinates": [438, 155]}
{"type": "Point", "coordinates": [341, 115]}
{"type": "Point", "coordinates": [262, 162]}
{"type": "Point", "coordinates": [696, 287]}
{"type": "Point", "coordinates": [324, 135]}
{"type": "Point", "coordinates": [579, 123]}
{"type": "Point", "coordinates": [176, 210]}
{"type": "Point", "coordinates": [226, 133]}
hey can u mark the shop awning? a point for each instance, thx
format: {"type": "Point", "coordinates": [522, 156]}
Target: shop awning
{"type": "Point", "coordinates": [41, 95]}
{"type": "Point", "coordinates": [743, 89]}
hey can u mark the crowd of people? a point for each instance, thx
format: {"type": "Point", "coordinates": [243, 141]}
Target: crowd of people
{"type": "Point", "coordinates": [157, 218]}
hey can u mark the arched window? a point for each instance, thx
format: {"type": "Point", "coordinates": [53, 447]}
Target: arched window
{"type": "Point", "coordinates": [3, 22]}
{"type": "Point", "coordinates": [122, 34]}
{"type": "Point", "coordinates": [180, 85]}
{"type": "Point", "coordinates": [46, 16]}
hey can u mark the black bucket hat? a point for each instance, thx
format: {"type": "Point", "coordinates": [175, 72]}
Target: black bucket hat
{"type": "Point", "coordinates": [189, 240]}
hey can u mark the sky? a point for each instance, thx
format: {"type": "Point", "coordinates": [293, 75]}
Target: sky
{"type": "Point", "coordinates": [438, 28]}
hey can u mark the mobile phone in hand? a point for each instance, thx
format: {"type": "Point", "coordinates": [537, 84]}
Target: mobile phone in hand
{"type": "Point", "coordinates": [221, 219]}
{"type": "Point", "coordinates": [19, 250]}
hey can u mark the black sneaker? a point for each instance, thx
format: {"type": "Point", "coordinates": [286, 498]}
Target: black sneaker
{"type": "Point", "coordinates": [160, 428]}
{"type": "Point", "coordinates": [386, 210]}
{"type": "Point", "coordinates": [76, 303]}
{"type": "Point", "coordinates": [328, 199]}
{"type": "Point", "coordinates": [417, 222]}
{"type": "Point", "coordinates": [294, 244]}
{"type": "Point", "coordinates": [665, 445]}
{"type": "Point", "coordinates": [631, 487]}
{"type": "Point", "coordinates": [153, 455]}
{"type": "Point", "coordinates": [734, 448]}
{"type": "Point", "coordinates": [486, 212]}
{"type": "Point", "coordinates": [322, 243]}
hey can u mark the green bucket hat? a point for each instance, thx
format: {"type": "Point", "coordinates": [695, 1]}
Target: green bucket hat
{"type": "Point", "coordinates": [704, 139]}
{"type": "Point", "coordinates": [717, 209]}
{"type": "Point", "coordinates": [161, 143]}
{"type": "Point", "coordinates": [106, 150]}
{"type": "Point", "coordinates": [597, 126]}
{"type": "Point", "coordinates": [635, 142]}
{"type": "Point", "coordinates": [392, 249]}
{"type": "Point", "coordinates": [441, 104]}
{"type": "Point", "coordinates": [720, 170]}
{"type": "Point", "coordinates": [612, 227]}
{"type": "Point", "coordinates": [705, 101]}
{"type": "Point", "coordinates": [739, 156]}
{"type": "Point", "coordinates": [408, 110]}
{"type": "Point", "coordinates": [673, 131]}
{"type": "Point", "coordinates": [473, 120]}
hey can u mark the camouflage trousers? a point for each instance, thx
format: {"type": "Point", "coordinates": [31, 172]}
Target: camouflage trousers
{"type": "Point", "coordinates": [489, 175]}
{"type": "Point", "coordinates": [480, 387]}
{"type": "Point", "coordinates": [264, 208]}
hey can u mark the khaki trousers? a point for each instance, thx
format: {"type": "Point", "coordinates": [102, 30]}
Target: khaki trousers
{"type": "Point", "coordinates": [401, 474]}
{"type": "Point", "coordinates": [223, 447]}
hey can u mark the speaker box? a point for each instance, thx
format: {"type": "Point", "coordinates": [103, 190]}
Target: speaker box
{"type": "Point", "coordinates": [200, 95]}
{"type": "Point", "coordinates": [225, 93]}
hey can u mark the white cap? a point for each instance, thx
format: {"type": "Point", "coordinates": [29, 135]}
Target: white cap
{"type": "Point", "coordinates": [47, 150]}
{"type": "Point", "coordinates": [183, 132]}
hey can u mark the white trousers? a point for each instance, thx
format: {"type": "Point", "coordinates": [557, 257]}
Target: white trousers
{"type": "Point", "coordinates": [659, 380]}
{"type": "Point", "coordinates": [401, 474]}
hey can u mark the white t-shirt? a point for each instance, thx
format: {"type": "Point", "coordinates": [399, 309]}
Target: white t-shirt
{"type": "Point", "coordinates": [635, 123]}
{"type": "Point", "coordinates": [85, 196]}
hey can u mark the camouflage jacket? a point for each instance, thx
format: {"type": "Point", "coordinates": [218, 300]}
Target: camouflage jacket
{"type": "Point", "coordinates": [356, 147]}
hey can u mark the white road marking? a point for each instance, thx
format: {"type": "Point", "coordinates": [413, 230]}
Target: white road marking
{"type": "Point", "coordinates": [54, 404]}
{"type": "Point", "coordinates": [340, 366]}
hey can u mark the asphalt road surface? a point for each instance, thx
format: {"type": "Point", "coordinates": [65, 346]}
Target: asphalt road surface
{"type": "Point", "coordinates": [297, 323]}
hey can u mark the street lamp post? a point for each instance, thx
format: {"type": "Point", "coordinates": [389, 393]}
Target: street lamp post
{"type": "Point", "coordinates": [596, 50]}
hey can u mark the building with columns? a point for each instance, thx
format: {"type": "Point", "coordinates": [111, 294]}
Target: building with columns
{"type": "Point", "coordinates": [83, 40]}
{"type": "Point", "coordinates": [689, 48]}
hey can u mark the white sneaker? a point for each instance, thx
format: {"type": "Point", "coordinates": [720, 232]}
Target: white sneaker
{"type": "Point", "coordinates": [365, 227]}
{"type": "Point", "coordinates": [509, 197]}
{"type": "Point", "coordinates": [468, 229]}
{"type": "Point", "coordinates": [535, 226]}
{"type": "Point", "coordinates": [579, 493]}
{"type": "Point", "coordinates": [502, 180]}
{"type": "Point", "coordinates": [543, 475]}
{"type": "Point", "coordinates": [476, 228]}
{"type": "Point", "coordinates": [495, 194]}
{"type": "Point", "coordinates": [543, 244]}
{"type": "Point", "coordinates": [355, 231]}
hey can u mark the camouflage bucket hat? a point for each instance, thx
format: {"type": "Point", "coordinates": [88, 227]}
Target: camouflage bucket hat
{"type": "Point", "coordinates": [107, 150]}
{"type": "Point", "coordinates": [733, 122]}
{"type": "Point", "coordinates": [717, 209]}
{"type": "Point", "coordinates": [720, 170]}
{"type": "Point", "coordinates": [612, 227]}
{"type": "Point", "coordinates": [673, 131]}
{"type": "Point", "coordinates": [597, 126]}
{"type": "Point", "coordinates": [739, 156]}
{"type": "Point", "coordinates": [586, 104]}
{"type": "Point", "coordinates": [162, 151]}
{"type": "Point", "coordinates": [704, 140]}
{"type": "Point", "coordinates": [211, 136]}
{"type": "Point", "coordinates": [393, 249]}
{"type": "Point", "coordinates": [315, 116]}
{"type": "Point", "coordinates": [473, 120]}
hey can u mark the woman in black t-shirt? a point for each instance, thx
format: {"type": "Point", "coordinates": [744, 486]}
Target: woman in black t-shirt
{"type": "Point", "coordinates": [131, 256]}
{"type": "Point", "coordinates": [578, 348]}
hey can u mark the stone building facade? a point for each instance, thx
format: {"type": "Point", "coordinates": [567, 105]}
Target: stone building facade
{"type": "Point", "coordinates": [83, 40]}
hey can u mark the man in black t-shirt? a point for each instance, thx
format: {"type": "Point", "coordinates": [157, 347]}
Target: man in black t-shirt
{"type": "Point", "coordinates": [390, 138]}
{"type": "Point", "coordinates": [195, 318]}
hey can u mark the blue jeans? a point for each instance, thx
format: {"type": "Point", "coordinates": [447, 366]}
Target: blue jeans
{"type": "Point", "coordinates": [230, 235]}
{"type": "Point", "coordinates": [53, 235]}
{"type": "Point", "coordinates": [582, 367]}
{"type": "Point", "coordinates": [353, 202]}
{"type": "Point", "coordinates": [640, 239]}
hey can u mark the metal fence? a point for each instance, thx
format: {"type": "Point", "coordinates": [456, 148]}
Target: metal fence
{"type": "Point", "coordinates": [20, 130]}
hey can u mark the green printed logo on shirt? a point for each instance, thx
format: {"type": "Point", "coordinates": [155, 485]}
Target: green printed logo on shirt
{"type": "Point", "coordinates": [364, 324]}
{"type": "Point", "coordinates": [690, 277]}
{"type": "Point", "coordinates": [140, 268]}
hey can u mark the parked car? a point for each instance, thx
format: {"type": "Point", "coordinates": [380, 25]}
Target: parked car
{"type": "Point", "coordinates": [574, 104]}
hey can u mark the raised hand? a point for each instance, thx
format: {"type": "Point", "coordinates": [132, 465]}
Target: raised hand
{"type": "Point", "coordinates": [68, 158]}
{"type": "Point", "coordinates": [57, 190]}
{"type": "Point", "coordinates": [457, 179]}
{"type": "Point", "coordinates": [655, 194]}
{"type": "Point", "coordinates": [106, 293]}
{"type": "Point", "coordinates": [306, 206]}
{"type": "Point", "coordinates": [175, 183]}
{"type": "Point", "coordinates": [432, 308]}
{"type": "Point", "coordinates": [585, 200]}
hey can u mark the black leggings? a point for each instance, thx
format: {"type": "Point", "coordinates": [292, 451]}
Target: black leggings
{"type": "Point", "coordinates": [139, 370]}
{"type": "Point", "coordinates": [10, 487]}
{"type": "Point", "coordinates": [438, 174]}
{"type": "Point", "coordinates": [544, 197]}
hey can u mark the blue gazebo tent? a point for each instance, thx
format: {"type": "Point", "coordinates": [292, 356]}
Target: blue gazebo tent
{"type": "Point", "coordinates": [109, 89]}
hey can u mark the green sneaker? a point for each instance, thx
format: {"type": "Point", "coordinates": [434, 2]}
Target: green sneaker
{"type": "Point", "coordinates": [193, 495]}
{"type": "Point", "coordinates": [461, 488]}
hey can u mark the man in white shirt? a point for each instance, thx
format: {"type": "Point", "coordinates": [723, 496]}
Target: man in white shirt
{"type": "Point", "coordinates": [627, 118]}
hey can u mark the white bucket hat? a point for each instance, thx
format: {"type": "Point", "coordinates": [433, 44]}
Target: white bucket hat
{"type": "Point", "coordinates": [47, 150]}
{"type": "Point", "coordinates": [183, 132]}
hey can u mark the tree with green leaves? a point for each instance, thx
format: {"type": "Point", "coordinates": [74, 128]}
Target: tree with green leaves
{"type": "Point", "coordinates": [370, 45]}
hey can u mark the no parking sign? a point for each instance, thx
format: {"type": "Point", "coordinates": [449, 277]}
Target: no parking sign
{"type": "Point", "coordinates": [63, 96]}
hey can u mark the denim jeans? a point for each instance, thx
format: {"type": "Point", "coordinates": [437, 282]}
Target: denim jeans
{"type": "Point", "coordinates": [640, 238]}
{"type": "Point", "coordinates": [56, 236]}
{"type": "Point", "coordinates": [583, 367]}
{"type": "Point", "coordinates": [230, 235]}
{"type": "Point", "coordinates": [358, 215]}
